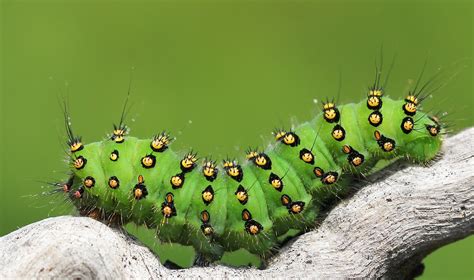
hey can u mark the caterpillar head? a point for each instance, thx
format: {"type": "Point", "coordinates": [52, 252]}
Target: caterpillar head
{"type": "Point", "coordinates": [424, 138]}
{"type": "Point", "coordinates": [433, 131]}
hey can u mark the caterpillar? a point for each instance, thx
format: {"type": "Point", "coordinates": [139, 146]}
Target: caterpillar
{"type": "Point", "coordinates": [255, 204]}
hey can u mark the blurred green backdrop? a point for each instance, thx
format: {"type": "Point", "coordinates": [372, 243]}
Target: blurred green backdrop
{"type": "Point", "coordinates": [197, 63]}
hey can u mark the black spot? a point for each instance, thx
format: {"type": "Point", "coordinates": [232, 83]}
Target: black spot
{"type": "Point", "coordinates": [292, 209]}
{"type": "Point", "coordinates": [293, 135]}
{"type": "Point", "coordinates": [215, 171]}
{"type": "Point", "coordinates": [231, 171]}
{"type": "Point", "coordinates": [190, 158]}
{"type": "Point", "coordinates": [328, 177]}
{"type": "Point", "coordinates": [114, 156]}
{"type": "Point", "coordinates": [207, 229]}
{"type": "Point", "coordinates": [263, 161]}
{"type": "Point", "coordinates": [143, 191]}
{"type": "Point", "coordinates": [340, 133]}
{"type": "Point", "coordinates": [243, 195]}
{"type": "Point", "coordinates": [159, 143]}
{"type": "Point", "coordinates": [375, 116]}
{"type": "Point", "coordinates": [205, 216]}
{"type": "Point", "coordinates": [376, 107]}
{"type": "Point", "coordinates": [75, 144]}
{"type": "Point", "coordinates": [246, 215]}
{"type": "Point", "coordinates": [285, 200]}
{"type": "Point", "coordinates": [180, 176]}
{"type": "Point", "coordinates": [80, 162]}
{"type": "Point", "coordinates": [118, 134]}
{"type": "Point", "coordinates": [147, 158]}
{"type": "Point", "coordinates": [407, 112]}
{"type": "Point", "coordinates": [386, 144]}
{"type": "Point", "coordinates": [167, 207]}
{"type": "Point", "coordinates": [273, 177]}
{"type": "Point", "coordinates": [114, 182]}
{"type": "Point", "coordinates": [304, 152]}
{"type": "Point", "coordinates": [89, 182]}
{"type": "Point", "coordinates": [354, 157]}
{"type": "Point", "coordinates": [335, 119]}
{"type": "Point", "coordinates": [407, 121]}
{"type": "Point", "coordinates": [433, 130]}
{"type": "Point", "coordinates": [207, 195]}
{"type": "Point", "coordinates": [250, 224]}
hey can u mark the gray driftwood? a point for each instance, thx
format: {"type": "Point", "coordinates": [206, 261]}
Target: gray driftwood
{"type": "Point", "coordinates": [385, 229]}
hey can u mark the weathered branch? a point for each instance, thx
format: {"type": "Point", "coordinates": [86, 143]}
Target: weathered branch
{"type": "Point", "coordinates": [385, 229]}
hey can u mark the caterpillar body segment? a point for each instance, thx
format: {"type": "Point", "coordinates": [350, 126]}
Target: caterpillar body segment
{"type": "Point", "coordinates": [256, 202]}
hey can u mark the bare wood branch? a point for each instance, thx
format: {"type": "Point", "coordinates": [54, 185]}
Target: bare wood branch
{"type": "Point", "coordinates": [384, 230]}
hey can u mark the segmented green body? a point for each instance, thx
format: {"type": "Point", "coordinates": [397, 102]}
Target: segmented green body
{"type": "Point", "coordinates": [265, 214]}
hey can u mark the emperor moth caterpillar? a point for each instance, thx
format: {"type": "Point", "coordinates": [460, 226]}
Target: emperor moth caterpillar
{"type": "Point", "coordinates": [218, 207]}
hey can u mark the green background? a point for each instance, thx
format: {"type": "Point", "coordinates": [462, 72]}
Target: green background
{"type": "Point", "coordinates": [218, 75]}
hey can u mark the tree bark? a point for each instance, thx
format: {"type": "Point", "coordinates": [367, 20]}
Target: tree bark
{"type": "Point", "coordinates": [383, 230]}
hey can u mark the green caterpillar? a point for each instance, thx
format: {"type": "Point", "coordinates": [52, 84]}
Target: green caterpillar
{"type": "Point", "coordinates": [257, 204]}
